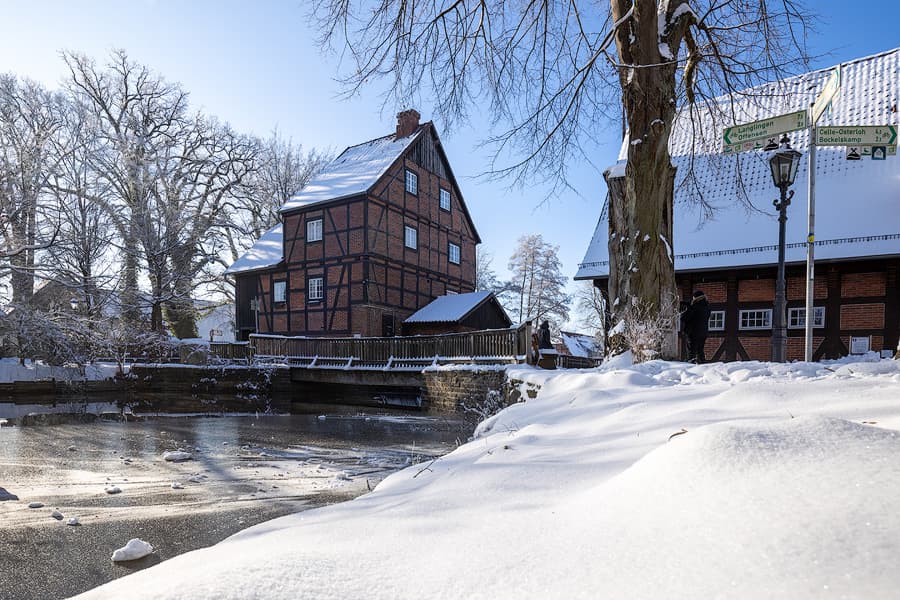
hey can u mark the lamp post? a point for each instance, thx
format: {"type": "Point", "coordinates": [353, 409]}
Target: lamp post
{"type": "Point", "coordinates": [784, 164]}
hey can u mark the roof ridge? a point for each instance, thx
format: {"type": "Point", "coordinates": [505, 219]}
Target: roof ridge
{"type": "Point", "coordinates": [383, 137]}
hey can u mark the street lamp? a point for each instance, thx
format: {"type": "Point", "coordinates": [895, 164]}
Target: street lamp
{"type": "Point", "coordinates": [784, 164]}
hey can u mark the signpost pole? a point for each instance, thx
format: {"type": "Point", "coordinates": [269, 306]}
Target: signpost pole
{"type": "Point", "coordinates": [810, 239]}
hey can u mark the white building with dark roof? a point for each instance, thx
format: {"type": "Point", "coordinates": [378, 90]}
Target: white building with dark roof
{"type": "Point", "coordinates": [726, 228]}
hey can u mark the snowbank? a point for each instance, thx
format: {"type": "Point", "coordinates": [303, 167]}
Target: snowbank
{"type": "Point", "coordinates": [781, 483]}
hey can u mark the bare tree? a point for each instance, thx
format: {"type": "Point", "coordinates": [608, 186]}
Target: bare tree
{"type": "Point", "coordinates": [30, 120]}
{"type": "Point", "coordinates": [553, 81]}
{"type": "Point", "coordinates": [83, 256]}
{"type": "Point", "coordinates": [590, 307]}
{"type": "Point", "coordinates": [137, 117]}
{"type": "Point", "coordinates": [213, 166]}
{"type": "Point", "coordinates": [485, 277]}
{"type": "Point", "coordinates": [538, 285]}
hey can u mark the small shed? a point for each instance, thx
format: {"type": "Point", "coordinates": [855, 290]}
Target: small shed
{"type": "Point", "coordinates": [456, 313]}
{"type": "Point", "coordinates": [578, 344]}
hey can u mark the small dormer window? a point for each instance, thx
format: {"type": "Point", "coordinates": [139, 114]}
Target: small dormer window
{"type": "Point", "coordinates": [412, 182]}
{"type": "Point", "coordinates": [445, 200]}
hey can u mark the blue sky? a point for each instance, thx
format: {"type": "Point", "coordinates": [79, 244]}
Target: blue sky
{"type": "Point", "coordinates": [255, 65]}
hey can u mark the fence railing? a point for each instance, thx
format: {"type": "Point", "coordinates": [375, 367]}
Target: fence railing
{"type": "Point", "coordinates": [231, 350]}
{"type": "Point", "coordinates": [492, 346]}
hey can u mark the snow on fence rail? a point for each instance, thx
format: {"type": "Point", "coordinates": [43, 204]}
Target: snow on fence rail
{"type": "Point", "coordinates": [487, 346]}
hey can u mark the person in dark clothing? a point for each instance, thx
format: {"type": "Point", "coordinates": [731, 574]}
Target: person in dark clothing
{"type": "Point", "coordinates": [544, 336]}
{"type": "Point", "coordinates": [695, 325]}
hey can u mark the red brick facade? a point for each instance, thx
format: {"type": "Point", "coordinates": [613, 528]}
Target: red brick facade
{"type": "Point", "coordinates": [860, 299]}
{"type": "Point", "coordinates": [371, 280]}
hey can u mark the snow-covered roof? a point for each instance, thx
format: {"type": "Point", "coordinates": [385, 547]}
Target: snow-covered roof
{"type": "Point", "coordinates": [856, 201]}
{"type": "Point", "coordinates": [266, 252]}
{"type": "Point", "coordinates": [579, 344]}
{"type": "Point", "coordinates": [448, 309]}
{"type": "Point", "coordinates": [353, 172]}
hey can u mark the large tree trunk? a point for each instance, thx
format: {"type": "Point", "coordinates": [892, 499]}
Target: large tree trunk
{"type": "Point", "coordinates": [180, 311]}
{"type": "Point", "coordinates": [22, 261]}
{"type": "Point", "coordinates": [130, 296]}
{"type": "Point", "coordinates": [642, 275]}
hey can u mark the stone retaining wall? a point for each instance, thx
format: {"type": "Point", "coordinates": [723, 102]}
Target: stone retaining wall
{"type": "Point", "coordinates": [464, 390]}
{"type": "Point", "coordinates": [207, 389]}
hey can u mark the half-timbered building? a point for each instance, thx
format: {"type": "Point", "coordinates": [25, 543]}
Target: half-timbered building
{"type": "Point", "coordinates": [732, 255]}
{"type": "Point", "coordinates": [378, 234]}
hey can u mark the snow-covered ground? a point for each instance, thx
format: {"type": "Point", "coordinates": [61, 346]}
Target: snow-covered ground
{"type": "Point", "coordinates": [739, 480]}
{"type": "Point", "coordinates": [12, 370]}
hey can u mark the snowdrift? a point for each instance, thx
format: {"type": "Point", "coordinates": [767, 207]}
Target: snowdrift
{"type": "Point", "coordinates": [740, 480]}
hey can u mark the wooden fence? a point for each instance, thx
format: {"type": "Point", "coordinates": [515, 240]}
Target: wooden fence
{"type": "Point", "coordinates": [493, 346]}
{"type": "Point", "coordinates": [239, 351]}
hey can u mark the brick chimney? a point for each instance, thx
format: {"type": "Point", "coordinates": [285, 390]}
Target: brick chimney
{"type": "Point", "coordinates": [407, 122]}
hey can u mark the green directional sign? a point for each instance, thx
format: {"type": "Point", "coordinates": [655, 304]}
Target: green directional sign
{"type": "Point", "coordinates": [856, 135]}
{"type": "Point", "coordinates": [750, 136]}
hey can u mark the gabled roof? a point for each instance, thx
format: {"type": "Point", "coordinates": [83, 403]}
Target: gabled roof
{"type": "Point", "coordinates": [856, 201]}
{"type": "Point", "coordinates": [451, 308]}
{"type": "Point", "coordinates": [354, 171]}
{"type": "Point", "coordinates": [266, 252]}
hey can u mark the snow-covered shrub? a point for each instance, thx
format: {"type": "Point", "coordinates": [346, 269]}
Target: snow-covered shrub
{"type": "Point", "coordinates": [488, 406]}
{"type": "Point", "coordinates": [642, 330]}
{"type": "Point", "coordinates": [48, 335]}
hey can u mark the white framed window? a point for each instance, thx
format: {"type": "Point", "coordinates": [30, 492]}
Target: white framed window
{"type": "Point", "coordinates": [279, 291]}
{"type": "Point", "coordinates": [445, 200]}
{"type": "Point", "coordinates": [412, 182]}
{"type": "Point", "coordinates": [315, 289]}
{"type": "Point", "coordinates": [797, 317]}
{"type": "Point", "coordinates": [410, 237]}
{"type": "Point", "coordinates": [717, 320]}
{"type": "Point", "coordinates": [314, 230]}
{"type": "Point", "coordinates": [756, 319]}
{"type": "Point", "coordinates": [453, 252]}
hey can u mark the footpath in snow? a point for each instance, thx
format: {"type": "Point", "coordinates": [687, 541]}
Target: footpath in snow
{"type": "Point", "coordinates": [738, 480]}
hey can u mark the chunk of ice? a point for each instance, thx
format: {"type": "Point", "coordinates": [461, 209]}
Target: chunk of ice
{"type": "Point", "coordinates": [133, 550]}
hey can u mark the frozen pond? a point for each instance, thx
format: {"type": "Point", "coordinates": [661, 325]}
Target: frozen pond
{"type": "Point", "coordinates": [242, 470]}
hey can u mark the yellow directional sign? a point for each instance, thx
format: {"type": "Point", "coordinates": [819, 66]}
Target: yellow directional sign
{"type": "Point", "coordinates": [750, 136]}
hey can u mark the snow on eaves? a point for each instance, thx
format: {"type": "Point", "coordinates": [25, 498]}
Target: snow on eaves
{"type": "Point", "coordinates": [266, 252]}
{"type": "Point", "coordinates": [855, 200]}
{"type": "Point", "coordinates": [353, 172]}
{"type": "Point", "coordinates": [448, 309]}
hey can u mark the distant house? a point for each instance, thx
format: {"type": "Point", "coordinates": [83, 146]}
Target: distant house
{"type": "Point", "coordinates": [379, 234]}
{"type": "Point", "coordinates": [578, 344]}
{"type": "Point", "coordinates": [732, 257]}
{"type": "Point", "coordinates": [457, 313]}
